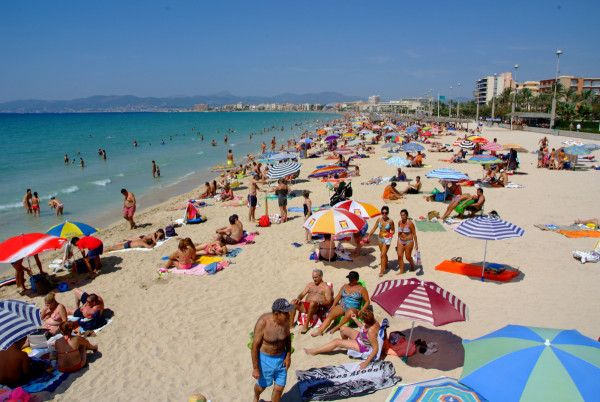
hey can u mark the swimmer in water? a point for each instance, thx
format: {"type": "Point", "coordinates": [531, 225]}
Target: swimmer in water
{"type": "Point", "coordinates": [57, 204]}
{"type": "Point", "coordinates": [213, 143]}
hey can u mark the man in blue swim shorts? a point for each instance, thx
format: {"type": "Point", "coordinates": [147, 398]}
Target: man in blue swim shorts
{"type": "Point", "coordinates": [271, 350]}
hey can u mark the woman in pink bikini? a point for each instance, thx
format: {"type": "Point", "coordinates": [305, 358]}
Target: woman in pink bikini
{"type": "Point", "coordinates": [54, 314]}
{"type": "Point", "coordinates": [184, 256]}
{"type": "Point", "coordinates": [363, 340]}
{"type": "Point", "coordinates": [216, 247]}
{"type": "Point", "coordinates": [72, 349]}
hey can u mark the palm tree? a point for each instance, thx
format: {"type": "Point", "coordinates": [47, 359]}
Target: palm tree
{"type": "Point", "coordinates": [589, 97]}
{"type": "Point", "coordinates": [560, 91]}
{"type": "Point", "coordinates": [526, 96]}
{"type": "Point", "coordinates": [505, 97]}
{"type": "Point", "coordinates": [571, 95]}
{"type": "Point", "coordinates": [566, 110]}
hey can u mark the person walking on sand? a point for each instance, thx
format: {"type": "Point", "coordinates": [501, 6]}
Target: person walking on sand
{"type": "Point", "coordinates": [272, 350]}
{"type": "Point", "coordinates": [27, 201]}
{"type": "Point", "coordinates": [128, 207]}
{"type": "Point", "coordinates": [153, 169]}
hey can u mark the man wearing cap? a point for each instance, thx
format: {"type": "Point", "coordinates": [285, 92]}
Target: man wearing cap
{"type": "Point", "coordinates": [318, 298]}
{"type": "Point", "coordinates": [271, 349]}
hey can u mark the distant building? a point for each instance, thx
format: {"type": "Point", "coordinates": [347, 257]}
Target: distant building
{"type": "Point", "coordinates": [533, 86]}
{"type": "Point", "coordinates": [374, 99]}
{"type": "Point", "coordinates": [490, 87]}
{"type": "Point", "coordinates": [568, 81]}
{"type": "Point", "coordinates": [239, 106]}
{"type": "Point", "coordinates": [201, 107]}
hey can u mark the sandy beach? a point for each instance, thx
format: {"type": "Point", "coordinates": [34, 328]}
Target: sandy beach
{"type": "Point", "coordinates": [176, 335]}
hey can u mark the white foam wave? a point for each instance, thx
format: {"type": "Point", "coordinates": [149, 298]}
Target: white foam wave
{"type": "Point", "coordinates": [71, 189]}
{"type": "Point", "coordinates": [120, 174]}
{"type": "Point", "coordinates": [11, 206]}
{"type": "Point", "coordinates": [182, 178]}
{"type": "Point", "coordinates": [201, 153]}
{"type": "Point", "coordinates": [103, 183]}
{"type": "Point", "coordinates": [110, 137]}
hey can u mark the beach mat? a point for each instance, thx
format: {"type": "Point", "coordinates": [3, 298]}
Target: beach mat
{"type": "Point", "coordinates": [475, 271]}
{"type": "Point", "coordinates": [556, 228]}
{"type": "Point", "coordinates": [580, 233]}
{"type": "Point", "coordinates": [247, 239]}
{"type": "Point", "coordinates": [158, 244]}
{"type": "Point", "coordinates": [426, 226]}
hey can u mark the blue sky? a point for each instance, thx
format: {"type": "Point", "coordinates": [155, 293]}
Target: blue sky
{"type": "Point", "coordinates": [71, 49]}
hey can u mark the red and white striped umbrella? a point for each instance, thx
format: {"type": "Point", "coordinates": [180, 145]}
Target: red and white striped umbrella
{"type": "Point", "coordinates": [334, 221]}
{"type": "Point", "coordinates": [26, 245]}
{"type": "Point", "coordinates": [492, 146]}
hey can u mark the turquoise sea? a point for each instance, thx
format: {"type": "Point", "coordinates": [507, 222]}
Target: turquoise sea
{"type": "Point", "coordinates": [34, 145]}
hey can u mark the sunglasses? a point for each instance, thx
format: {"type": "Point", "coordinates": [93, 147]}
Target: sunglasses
{"type": "Point", "coordinates": [385, 213]}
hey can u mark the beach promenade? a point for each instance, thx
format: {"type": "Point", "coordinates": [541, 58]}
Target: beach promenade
{"type": "Point", "coordinates": [176, 335]}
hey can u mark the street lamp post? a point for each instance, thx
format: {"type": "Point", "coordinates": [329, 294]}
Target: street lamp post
{"type": "Point", "coordinates": [512, 115]}
{"type": "Point", "coordinates": [450, 104]}
{"type": "Point", "coordinates": [494, 98]}
{"type": "Point", "coordinates": [553, 113]}
{"type": "Point", "coordinates": [458, 103]}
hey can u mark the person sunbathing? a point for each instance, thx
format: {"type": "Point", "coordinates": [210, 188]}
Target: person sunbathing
{"type": "Point", "coordinates": [346, 303]}
{"type": "Point", "coordinates": [457, 157]}
{"type": "Point", "coordinates": [418, 160]}
{"type": "Point", "coordinates": [319, 297]}
{"type": "Point", "coordinates": [390, 192]}
{"type": "Point", "coordinates": [207, 191]}
{"type": "Point", "coordinates": [363, 340]}
{"type": "Point", "coordinates": [413, 188]}
{"type": "Point", "coordinates": [53, 313]}
{"type": "Point", "coordinates": [589, 221]}
{"type": "Point", "coordinates": [216, 247]}
{"type": "Point", "coordinates": [72, 349]}
{"type": "Point", "coordinates": [184, 256]}
{"type": "Point", "coordinates": [477, 204]}
{"type": "Point", "coordinates": [227, 193]}
{"type": "Point", "coordinates": [127, 244]}
{"type": "Point", "coordinates": [87, 304]}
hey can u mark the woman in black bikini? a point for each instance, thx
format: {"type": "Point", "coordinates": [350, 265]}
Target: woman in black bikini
{"type": "Point", "coordinates": [282, 191]}
{"type": "Point", "coordinates": [307, 212]}
{"type": "Point", "coordinates": [407, 239]}
{"type": "Point", "coordinates": [386, 232]}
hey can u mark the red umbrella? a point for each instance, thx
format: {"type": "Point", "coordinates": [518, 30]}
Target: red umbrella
{"type": "Point", "coordinates": [479, 140]}
{"type": "Point", "coordinates": [419, 301]}
{"type": "Point", "coordinates": [427, 134]}
{"type": "Point", "coordinates": [26, 245]}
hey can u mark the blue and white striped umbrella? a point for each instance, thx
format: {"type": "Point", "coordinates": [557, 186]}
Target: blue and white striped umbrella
{"type": "Point", "coordinates": [17, 320]}
{"type": "Point", "coordinates": [305, 141]}
{"type": "Point", "coordinates": [447, 174]}
{"type": "Point", "coordinates": [392, 134]}
{"type": "Point", "coordinates": [413, 146]}
{"type": "Point", "coordinates": [488, 228]}
{"type": "Point", "coordinates": [283, 155]}
{"type": "Point", "coordinates": [283, 170]}
{"type": "Point", "coordinates": [398, 161]}
{"type": "Point", "coordinates": [388, 127]}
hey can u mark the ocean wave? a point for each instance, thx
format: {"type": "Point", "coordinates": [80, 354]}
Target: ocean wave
{"type": "Point", "coordinates": [182, 178]}
{"type": "Point", "coordinates": [120, 174]}
{"type": "Point", "coordinates": [11, 206]}
{"type": "Point", "coordinates": [110, 137]}
{"type": "Point", "coordinates": [103, 182]}
{"type": "Point", "coordinates": [200, 153]}
{"type": "Point", "coordinates": [67, 190]}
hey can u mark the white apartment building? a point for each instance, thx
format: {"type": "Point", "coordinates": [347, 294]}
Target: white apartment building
{"type": "Point", "coordinates": [491, 86]}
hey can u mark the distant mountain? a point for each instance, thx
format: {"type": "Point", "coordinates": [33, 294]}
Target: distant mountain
{"type": "Point", "coordinates": [130, 103]}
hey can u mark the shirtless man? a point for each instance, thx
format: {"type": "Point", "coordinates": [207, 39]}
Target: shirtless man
{"type": "Point", "coordinates": [231, 234]}
{"type": "Point", "coordinates": [252, 199]}
{"type": "Point", "coordinates": [273, 143]}
{"type": "Point", "coordinates": [413, 188]}
{"type": "Point", "coordinates": [318, 297]}
{"type": "Point", "coordinates": [229, 157]}
{"type": "Point", "coordinates": [478, 199]}
{"type": "Point", "coordinates": [153, 169]}
{"type": "Point", "coordinates": [27, 201]}
{"type": "Point", "coordinates": [16, 368]}
{"type": "Point", "coordinates": [128, 207]}
{"type": "Point", "coordinates": [271, 350]}
{"type": "Point", "coordinates": [87, 304]}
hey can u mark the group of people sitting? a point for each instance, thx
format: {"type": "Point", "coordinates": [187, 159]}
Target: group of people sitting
{"type": "Point", "coordinates": [391, 193]}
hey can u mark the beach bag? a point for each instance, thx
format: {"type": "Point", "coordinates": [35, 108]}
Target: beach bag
{"type": "Point", "coordinates": [264, 221]}
{"type": "Point", "coordinates": [40, 284]}
{"type": "Point", "coordinates": [170, 231]}
{"type": "Point", "coordinates": [81, 268]}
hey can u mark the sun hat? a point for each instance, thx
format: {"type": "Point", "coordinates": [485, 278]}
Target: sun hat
{"type": "Point", "coordinates": [282, 305]}
{"type": "Point", "coordinates": [352, 275]}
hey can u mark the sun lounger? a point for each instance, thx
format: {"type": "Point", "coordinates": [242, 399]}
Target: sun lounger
{"type": "Point", "coordinates": [475, 271]}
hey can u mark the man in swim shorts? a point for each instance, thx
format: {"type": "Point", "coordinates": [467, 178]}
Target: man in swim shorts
{"type": "Point", "coordinates": [87, 304]}
{"type": "Point", "coordinates": [27, 201]}
{"type": "Point", "coordinates": [252, 199]}
{"type": "Point", "coordinates": [271, 350]}
{"type": "Point", "coordinates": [318, 298]}
{"type": "Point", "coordinates": [229, 157]}
{"type": "Point", "coordinates": [95, 249]}
{"type": "Point", "coordinates": [128, 207]}
{"type": "Point", "coordinates": [231, 234]}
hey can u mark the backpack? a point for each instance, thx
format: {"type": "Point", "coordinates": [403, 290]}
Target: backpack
{"type": "Point", "coordinates": [264, 221]}
{"type": "Point", "coordinates": [40, 284]}
{"type": "Point", "coordinates": [170, 231]}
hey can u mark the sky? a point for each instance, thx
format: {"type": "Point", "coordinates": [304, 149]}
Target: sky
{"type": "Point", "coordinates": [75, 49]}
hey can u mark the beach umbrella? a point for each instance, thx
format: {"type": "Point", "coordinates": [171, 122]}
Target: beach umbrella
{"type": "Point", "coordinates": [72, 229]}
{"type": "Point", "coordinates": [466, 144]}
{"type": "Point", "coordinates": [479, 140]}
{"type": "Point", "coordinates": [578, 151]}
{"type": "Point", "coordinates": [450, 128]}
{"type": "Point", "coordinates": [326, 171]}
{"type": "Point", "coordinates": [591, 147]}
{"type": "Point", "coordinates": [440, 389]}
{"type": "Point", "coordinates": [371, 135]}
{"type": "Point", "coordinates": [492, 146]}
{"type": "Point", "coordinates": [484, 159]}
{"type": "Point", "coordinates": [17, 320]}
{"type": "Point", "coordinates": [392, 134]}
{"type": "Point", "coordinates": [413, 147]}
{"type": "Point", "coordinates": [348, 135]}
{"type": "Point", "coordinates": [398, 161]}
{"type": "Point", "coordinates": [416, 126]}
{"type": "Point", "coordinates": [389, 127]}
{"type": "Point", "coordinates": [427, 128]}
{"type": "Point", "coordinates": [516, 147]}
{"type": "Point", "coordinates": [283, 170]}
{"type": "Point", "coordinates": [399, 139]}
{"type": "Point", "coordinates": [390, 145]}
{"type": "Point", "coordinates": [266, 155]}
{"type": "Point", "coordinates": [573, 142]}
{"type": "Point", "coordinates": [26, 245]}
{"type": "Point", "coordinates": [334, 221]}
{"type": "Point", "coordinates": [328, 128]}
{"type": "Point", "coordinates": [447, 175]}
{"type": "Point", "coordinates": [343, 151]}
{"type": "Point", "coordinates": [533, 364]}
{"type": "Point", "coordinates": [305, 141]}
{"type": "Point", "coordinates": [356, 142]}
{"type": "Point", "coordinates": [365, 132]}
{"type": "Point", "coordinates": [488, 228]}
{"type": "Point", "coordinates": [416, 300]}
{"type": "Point", "coordinates": [427, 134]}
{"type": "Point", "coordinates": [282, 156]}
{"type": "Point", "coordinates": [321, 132]}
{"type": "Point", "coordinates": [331, 137]}
{"type": "Point", "coordinates": [411, 130]}
{"type": "Point", "coordinates": [360, 208]}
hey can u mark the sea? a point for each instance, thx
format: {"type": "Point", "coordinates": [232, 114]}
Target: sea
{"type": "Point", "coordinates": [34, 146]}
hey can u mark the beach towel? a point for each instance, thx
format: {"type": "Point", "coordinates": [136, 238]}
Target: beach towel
{"type": "Point", "coordinates": [586, 256]}
{"type": "Point", "coordinates": [101, 325]}
{"type": "Point", "coordinates": [427, 226]}
{"type": "Point", "coordinates": [158, 243]}
{"type": "Point", "coordinates": [475, 271]}
{"type": "Point", "coordinates": [233, 253]}
{"type": "Point", "coordinates": [580, 233]}
{"type": "Point", "coordinates": [510, 184]}
{"type": "Point", "coordinates": [46, 382]}
{"type": "Point", "coordinates": [197, 269]}
{"type": "Point", "coordinates": [248, 238]}
{"type": "Point", "coordinates": [347, 380]}
{"type": "Point", "coordinates": [208, 259]}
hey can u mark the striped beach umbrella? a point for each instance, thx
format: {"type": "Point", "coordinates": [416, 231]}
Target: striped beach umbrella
{"type": "Point", "coordinates": [305, 141]}
{"type": "Point", "coordinates": [360, 208]}
{"type": "Point", "coordinates": [331, 137]}
{"type": "Point", "coordinates": [466, 144]}
{"type": "Point", "coordinates": [533, 364]}
{"type": "Point", "coordinates": [479, 140]}
{"type": "Point", "coordinates": [399, 138]}
{"type": "Point", "coordinates": [516, 147]}
{"type": "Point", "coordinates": [492, 147]}
{"type": "Point", "coordinates": [576, 150]}
{"type": "Point", "coordinates": [72, 229]}
{"type": "Point", "coordinates": [398, 161]}
{"type": "Point", "coordinates": [334, 221]}
{"type": "Point", "coordinates": [416, 300]}
{"type": "Point", "coordinates": [389, 127]}
{"type": "Point", "coordinates": [392, 134]}
{"type": "Point", "coordinates": [26, 245]}
{"type": "Point", "coordinates": [488, 228]}
{"type": "Point", "coordinates": [283, 170]}
{"type": "Point", "coordinates": [326, 171]}
{"type": "Point", "coordinates": [282, 156]}
{"type": "Point", "coordinates": [17, 320]}
{"type": "Point", "coordinates": [447, 175]}
{"type": "Point", "coordinates": [484, 159]}
{"type": "Point", "coordinates": [440, 389]}
{"type": "Point", "coordinates": [413, 147]}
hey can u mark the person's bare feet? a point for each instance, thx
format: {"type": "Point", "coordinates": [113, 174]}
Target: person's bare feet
{"type": "Point", "coordinates": [316, 333]}
{"type": "Point", "coordinates": [308, 352]}
{"type": "Point", "coordinates": [304, 330]}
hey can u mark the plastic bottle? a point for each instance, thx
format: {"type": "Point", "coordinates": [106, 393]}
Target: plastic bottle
{"type": "Point", "coordinates": [417, 257]}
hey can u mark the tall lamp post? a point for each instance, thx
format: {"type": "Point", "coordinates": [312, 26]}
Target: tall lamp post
{"type": "Point", "coordinates": [494, 98]}
{"type": "Point", "coordinates": [553, 113]}
{"type": "Point", "coordinates": [512, 115]}
{"type": "Point", "coordinates": [450, 104]}
{"type": "Point", "coordinates": [458, 103]}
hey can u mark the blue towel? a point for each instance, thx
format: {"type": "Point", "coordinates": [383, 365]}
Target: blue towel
{"type": "Point", "coordinates": [46, 382]}
{"type": "Point", "coordinates": [233, 253]}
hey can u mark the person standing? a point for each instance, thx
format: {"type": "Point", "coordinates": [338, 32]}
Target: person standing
{"type": "Point", "coordinates": [230, 158]}
{"type": "Point", "coordinates": [27, 201]}
{"type": "Point", "coordinates": [128, 207]}
{"type": "Point", "coordinates": [578, 127]}
{"type": "Point", "coordinates": [57, 204]}
{"type": "Point", "coordinates": [104, 154]}
{"type": "Point", "coordinates": [66, 159]}
{"type": "Point", "coordinates": [272, 350]}
{"type": "Point", "coordinates": [407, 240]}
{"type": "Point", "coordinates": [252, 199]}
{"type": "Point", "coordinates": [153, 169]}
{"type": "Point", "coordinates": [35, 204]}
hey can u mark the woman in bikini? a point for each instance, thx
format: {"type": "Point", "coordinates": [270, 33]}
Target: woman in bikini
{"type": "Point", "coordinates": [282, 191]}
{"type": "Point", "coordinates": [71, 349]}
{"type": "Point", "coordinates": [54, 314]}
{"type": "Point", "coordinates": [216, 247]}
{"type": "Point", "coordinates": [346, 303]}
{"type": "Point", "coordinates": [184, 256]}
{"type": "Point", "coordinates": [307, 206]}
{"type": "Point", "coordinates": [386, 232]}
{"type": "Point", "coordinates": [35, 204]}
{"type": "Point", "coordinates": [363, 340]}
{"type": "Point", "coordinates": [407, 239]}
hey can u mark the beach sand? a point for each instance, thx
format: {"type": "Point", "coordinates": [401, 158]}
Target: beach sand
{"type": "Point", "coordinates": [177, 335]}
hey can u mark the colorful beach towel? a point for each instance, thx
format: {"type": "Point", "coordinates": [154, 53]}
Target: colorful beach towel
{"type": "Point", "coordinates": [46, 382]}
{"type": "Point", "coordinates": [475, 271]}
{"type": "Point", "coordinates": [233, 253]}
{"type": "Point", "coordinates": [207, 259]}
{"type": "Point", "coordinates": [345, 381]}
{"type": "Point", "coordinates": [427, 226]}
{"type": "Point", "coordinates": [198, 269]}
{"type": "Point", "coordinates": [247, 239]}
{"type": "Point", "coordinates": [580, 233]}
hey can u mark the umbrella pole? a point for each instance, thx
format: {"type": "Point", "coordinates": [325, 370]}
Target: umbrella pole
{"type": "Point", "coordinates": [405, 358]}
{"type": "Point", "coordinates": [484, 256]}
